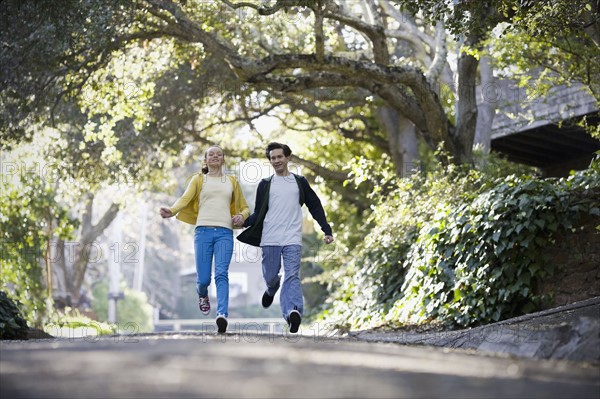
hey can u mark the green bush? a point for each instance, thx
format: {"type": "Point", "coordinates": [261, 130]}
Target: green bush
{"type": "Point", "coordinates": [29, 216]}
{"type": "Point", "coordinates": [134, 313]}
{"type": "Point", "coordinates": [73, 320]}
{"type": "Point", "coordinates": [12, 323]}
{"type": "Point", "coordinates": [458, 247]}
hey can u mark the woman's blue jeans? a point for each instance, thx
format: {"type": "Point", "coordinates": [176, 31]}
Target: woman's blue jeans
{"type": "Point", "coordinates": [217, 243]}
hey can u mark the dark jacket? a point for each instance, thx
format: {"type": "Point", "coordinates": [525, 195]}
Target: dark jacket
{"type": "Point", "coordinates": [253, 234]}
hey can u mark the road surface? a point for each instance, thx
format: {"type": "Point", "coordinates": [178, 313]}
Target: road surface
{"type": "Point", "coordinates": [249, 365]}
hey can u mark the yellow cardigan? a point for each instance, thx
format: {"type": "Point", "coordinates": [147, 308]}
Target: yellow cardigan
{"type": "Point", "coordinates": [186, 207]}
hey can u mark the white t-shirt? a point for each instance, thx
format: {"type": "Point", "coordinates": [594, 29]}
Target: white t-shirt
{"type": "Point", "coordinates": [215, 200]}
{"type": "Point", "coordinates": [283, 221]}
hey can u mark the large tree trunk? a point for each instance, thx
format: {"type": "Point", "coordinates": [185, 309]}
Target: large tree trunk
{"type": "Point", "coordinates": [402, 139]}
{"type": "Point", "coordinates": [59, 266]}
{"type": "Point", "coordinates": [86, 244]}
{"type": "Point", "coordinates": [490, 94]}
{"type": "Point", "coordinates": [466, 113]}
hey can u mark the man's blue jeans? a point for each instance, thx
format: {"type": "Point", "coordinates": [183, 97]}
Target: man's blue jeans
{"type": "Point", "coordinates": [214, 242]}
{"type": "Point", "coordinates": [291, 291]}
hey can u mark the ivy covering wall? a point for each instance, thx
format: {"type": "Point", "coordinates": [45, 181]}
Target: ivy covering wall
{"type": "Point", "coordinates": [458, 247]}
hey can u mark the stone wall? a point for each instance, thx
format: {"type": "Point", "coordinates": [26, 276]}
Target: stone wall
{"type": "Point", "coordinates": [577, 256]}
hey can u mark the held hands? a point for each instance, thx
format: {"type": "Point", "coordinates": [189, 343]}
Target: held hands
{"type": "Point", "coordinates": [328, 239]}
{"type": "Point", "coordinates": [165, 213]}
{"type": "Point", "coordinates": [237, 220]}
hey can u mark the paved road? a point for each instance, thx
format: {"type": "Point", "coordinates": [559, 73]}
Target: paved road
{"type": "Point", "coordinates": [192, 365]}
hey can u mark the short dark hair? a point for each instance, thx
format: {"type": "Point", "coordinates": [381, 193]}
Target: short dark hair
{"type": "Point", "coordinates": [274, 145]}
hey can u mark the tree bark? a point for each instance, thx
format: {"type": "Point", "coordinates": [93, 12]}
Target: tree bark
{"type": "Point", "coordinates": [489, 95]}
{"type": "Point", "coordinates": [60, 265]}
{"type": "Point", "coordinates": [86, 244]}
{"type": "Point", "coordinates": [402, 141]}
{"type": "Point", "coordinates": [466, 114]}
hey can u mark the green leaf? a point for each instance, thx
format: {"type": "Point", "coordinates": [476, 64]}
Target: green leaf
{"type": "Point", "coordinates": [496, 315]}
{"type": "Point", "coordinates": [524, 278]}
{"type": "Point", "coordinates": [534, 268]}
{"type": "Point", "coordinates": [496, 235]}
{"type": "Point", "coordinates": [499, 249]}
{"type": "Point", "coordinates": [540, 223]}
{"type": "Point", "coordinates": [457, 295]}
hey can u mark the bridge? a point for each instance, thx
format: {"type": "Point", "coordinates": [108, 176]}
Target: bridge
{"type": "Point", "coordinates": [543, 131]}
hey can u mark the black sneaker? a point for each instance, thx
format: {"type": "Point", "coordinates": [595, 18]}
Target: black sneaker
{"type": "Point", "coordinates": [221, 324]}
{"type": "Point", "coordinates": [294, 320]}
{"type": "Point", "coordinates": [267, 300]}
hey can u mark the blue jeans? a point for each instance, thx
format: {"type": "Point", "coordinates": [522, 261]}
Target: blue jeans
{"type": "Point", "coordinates": [217, 242]}
{"type": "Point", "coordinates": [291, 291]}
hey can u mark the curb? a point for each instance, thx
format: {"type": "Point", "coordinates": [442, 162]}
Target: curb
{"type": "Point", "coordinates": [570, 332]}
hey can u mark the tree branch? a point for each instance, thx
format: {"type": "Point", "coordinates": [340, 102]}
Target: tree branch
{"type": "Point", "coordinates": [322, 171]}
{"type": "Point", "coordinates": [319, 35]}
{"type": "Point", "coordinates": [375, 33]}
{"type": "Point", "coordinates": [441, 54]}
{"type": "Point", "coordinates": [352, 73]}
